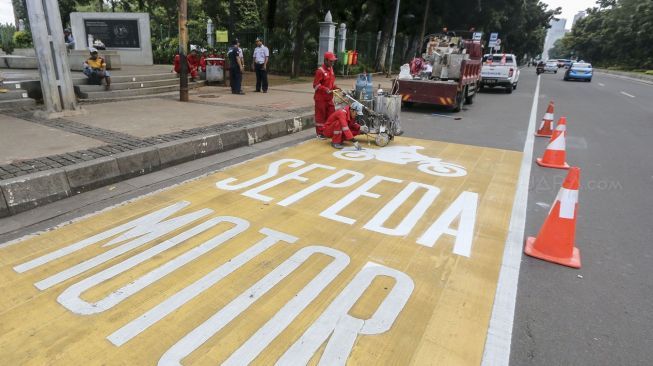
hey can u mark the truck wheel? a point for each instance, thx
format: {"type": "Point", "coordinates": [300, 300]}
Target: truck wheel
{"type": "Point", "coordinates": [470, 99]}
{"type": "Point", "coordinates": [407, 104]}
{"type": "Point", "coordinates": [509, 89]}
{"type": "Point", "coordinates": [460, 100]}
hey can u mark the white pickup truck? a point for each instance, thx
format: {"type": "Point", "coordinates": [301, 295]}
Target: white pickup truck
{"type": "Point", "coordinates": [500, 70]}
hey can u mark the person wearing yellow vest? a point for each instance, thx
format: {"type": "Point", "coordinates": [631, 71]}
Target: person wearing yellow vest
{"type": "Point", "coordinates": [95, 68]}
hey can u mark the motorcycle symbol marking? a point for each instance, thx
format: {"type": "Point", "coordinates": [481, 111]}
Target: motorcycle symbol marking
{"type": "Point", "coordinates": [403, 155]}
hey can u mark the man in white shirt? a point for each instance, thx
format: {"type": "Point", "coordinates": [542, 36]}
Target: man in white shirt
{"type": "Point", "coordinates": [260, 65]}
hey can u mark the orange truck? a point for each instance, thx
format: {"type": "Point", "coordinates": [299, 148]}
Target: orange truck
{"type": "Point", "coordinates": [448, 73]}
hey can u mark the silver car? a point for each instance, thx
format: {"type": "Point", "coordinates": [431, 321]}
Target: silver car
{"type": "Point", "coordinates": [551, 66]}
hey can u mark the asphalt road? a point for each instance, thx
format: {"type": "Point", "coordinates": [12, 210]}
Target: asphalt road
{"type": "Point", "coordinates": [601, 314]}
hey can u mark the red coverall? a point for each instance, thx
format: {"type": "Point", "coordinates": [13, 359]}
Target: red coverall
{"type": "Point", "coordinates": [177, 66]}
{"type": "Point", "coordinates": [324, 81]}
{"type": "Point", "coordinates": [194, 62]}
{"type": "Point", "coordinates": [340, 123]}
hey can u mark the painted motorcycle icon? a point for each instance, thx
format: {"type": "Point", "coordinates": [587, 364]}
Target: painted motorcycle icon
{"type": "Point", "coordinates": [403, 155]}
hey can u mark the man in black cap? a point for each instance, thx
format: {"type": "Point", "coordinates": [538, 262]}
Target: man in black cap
{"type": "Point", "coordinates": [260, 65]}
{"type": "Point", "coordinates": [69, 39]}
{"type": "Point", "coordinates": [236, 67]}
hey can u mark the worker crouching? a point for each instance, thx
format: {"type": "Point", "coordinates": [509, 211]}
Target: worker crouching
{"type": "Point", "coordinates": [341, 126]}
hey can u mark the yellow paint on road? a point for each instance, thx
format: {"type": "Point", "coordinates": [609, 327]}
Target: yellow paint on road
{"type": "Point", "coordinates": [441, 319]}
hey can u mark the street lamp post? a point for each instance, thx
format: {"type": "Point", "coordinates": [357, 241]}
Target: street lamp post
{"type": "Point", "coordinates": [394, 34]}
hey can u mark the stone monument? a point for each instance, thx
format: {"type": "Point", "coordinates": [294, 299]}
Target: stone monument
{"type": "Point", "coordinates": [210, 29]}
{"type": "Point", "coordinates": [128, 34]}
{"type": "Point", "coordinates": [327, 37]}
{"type": "Point", "coordinates": [342, 38]}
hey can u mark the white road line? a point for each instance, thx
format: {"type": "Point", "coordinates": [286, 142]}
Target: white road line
{"type": "Point", "coordinates": [601, 84]}
{"type": "Point", "coordinates": [499, 336]}
{"type": "Point", "coordinates": [628, 95]}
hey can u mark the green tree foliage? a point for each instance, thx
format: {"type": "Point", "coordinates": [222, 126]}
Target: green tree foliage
{"type": "Point", "coordinates": [561, 49]}
{"type": "Point", "coordinates": [7, 32]}
{"type": "Point", "coordinates": [22, 39]}
{"type": "Point", "coordinates": [244, 15]}
{"type": "Point", "coordinates": [617, 33]}
{"type": "Point", "coordinates": [292, 25]}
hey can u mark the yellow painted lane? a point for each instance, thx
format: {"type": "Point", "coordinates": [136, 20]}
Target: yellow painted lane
{"type": "Point", "coordinates": [386, 256]}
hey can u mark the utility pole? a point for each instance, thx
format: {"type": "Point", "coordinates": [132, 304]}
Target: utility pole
{"type": "Point", "coordinates": [183, 46]}
{"type": "Point", "coordinates": [421, 34]}
{"type": "Point", "coordinates": [54, 71]}
{"type": "Point", "coordinates": [394, 34]}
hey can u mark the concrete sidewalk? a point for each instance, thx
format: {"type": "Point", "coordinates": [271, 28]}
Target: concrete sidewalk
{"type": "Point", "coordinates": [42, 161]}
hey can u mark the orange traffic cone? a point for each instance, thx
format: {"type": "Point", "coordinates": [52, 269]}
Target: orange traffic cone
{"type": "Point", "coordinates": [546, 127]}
{"type": "Point", "coordinates": [555, 241]}
{"type": "Point", "coordinates": [554, 155]}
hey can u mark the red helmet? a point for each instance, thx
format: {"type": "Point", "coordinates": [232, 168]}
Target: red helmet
{"type": "Point", "coordinates": [330, 56]}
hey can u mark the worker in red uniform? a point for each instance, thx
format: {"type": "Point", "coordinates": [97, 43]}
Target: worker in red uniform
{"type": "Point", "coordinates": [177, 66]}
{"type": "Point", "coordinates": [324, 84]}
{"type": "Point", "coordinates": [341, 125]}
{"type": "Point", "coordinates": [194, 62]}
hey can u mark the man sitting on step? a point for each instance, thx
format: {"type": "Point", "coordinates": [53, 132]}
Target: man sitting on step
{"type": "Point", "coordinates": [96, 69]}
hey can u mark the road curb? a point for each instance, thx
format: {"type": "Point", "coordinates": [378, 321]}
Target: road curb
{"type": "Point", "coordinates": [4, 210]}
{"type": "Point", "coordinates": [92, 174]}
{"type": "Point", "coordinates": [32, 190]}
{"type": "Point", "coordinates": [647, 79]}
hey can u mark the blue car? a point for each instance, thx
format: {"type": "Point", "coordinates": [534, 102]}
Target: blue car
{"type": "Point", "coordinates": [579, 71]}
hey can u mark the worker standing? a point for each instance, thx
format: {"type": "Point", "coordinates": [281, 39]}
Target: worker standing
{"type": "Point", "coordinates": [341, 125]}
{"type": "Point", "coordinates": [324, 84]}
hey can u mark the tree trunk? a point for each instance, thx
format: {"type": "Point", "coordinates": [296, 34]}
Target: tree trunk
{"type": "Point", "coordinates": [272, 12]}
{"type": "Point", "coordinates": [409, 49]}
{"type": "Point", "coordinates": [299, 40]}
{"type": "Point", "coordinates": [423, 32]}
{"type": "Point", "coordinates": [230, 23]}
{"type": "Point", "coordinates": [388, 22]}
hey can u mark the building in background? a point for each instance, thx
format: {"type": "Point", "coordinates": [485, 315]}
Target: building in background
{"type": "Point", "coordinates": [554, 33]}
{"type": "Point", "coordinates": [580, 15]}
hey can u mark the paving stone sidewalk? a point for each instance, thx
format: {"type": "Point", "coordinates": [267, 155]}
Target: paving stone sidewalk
{"type": "Point", "coordinates": [116, 127]}
{"type": "Point", "coordinates": [42, 161]}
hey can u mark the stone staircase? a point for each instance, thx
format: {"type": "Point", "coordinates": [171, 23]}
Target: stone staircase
{"type": "Point", "coordinates": [125, 87]}
{"type": "Point", "coordinates": [15, 97]}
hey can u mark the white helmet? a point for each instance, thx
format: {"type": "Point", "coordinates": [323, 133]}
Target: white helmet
{"type": "Point", "coordinates": [358, 107]}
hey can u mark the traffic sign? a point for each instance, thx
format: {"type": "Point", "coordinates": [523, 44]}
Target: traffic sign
{"type": "Point", "coordinates": [494, 40]}
{"type": "Point", "coordinates": [477, 36]}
